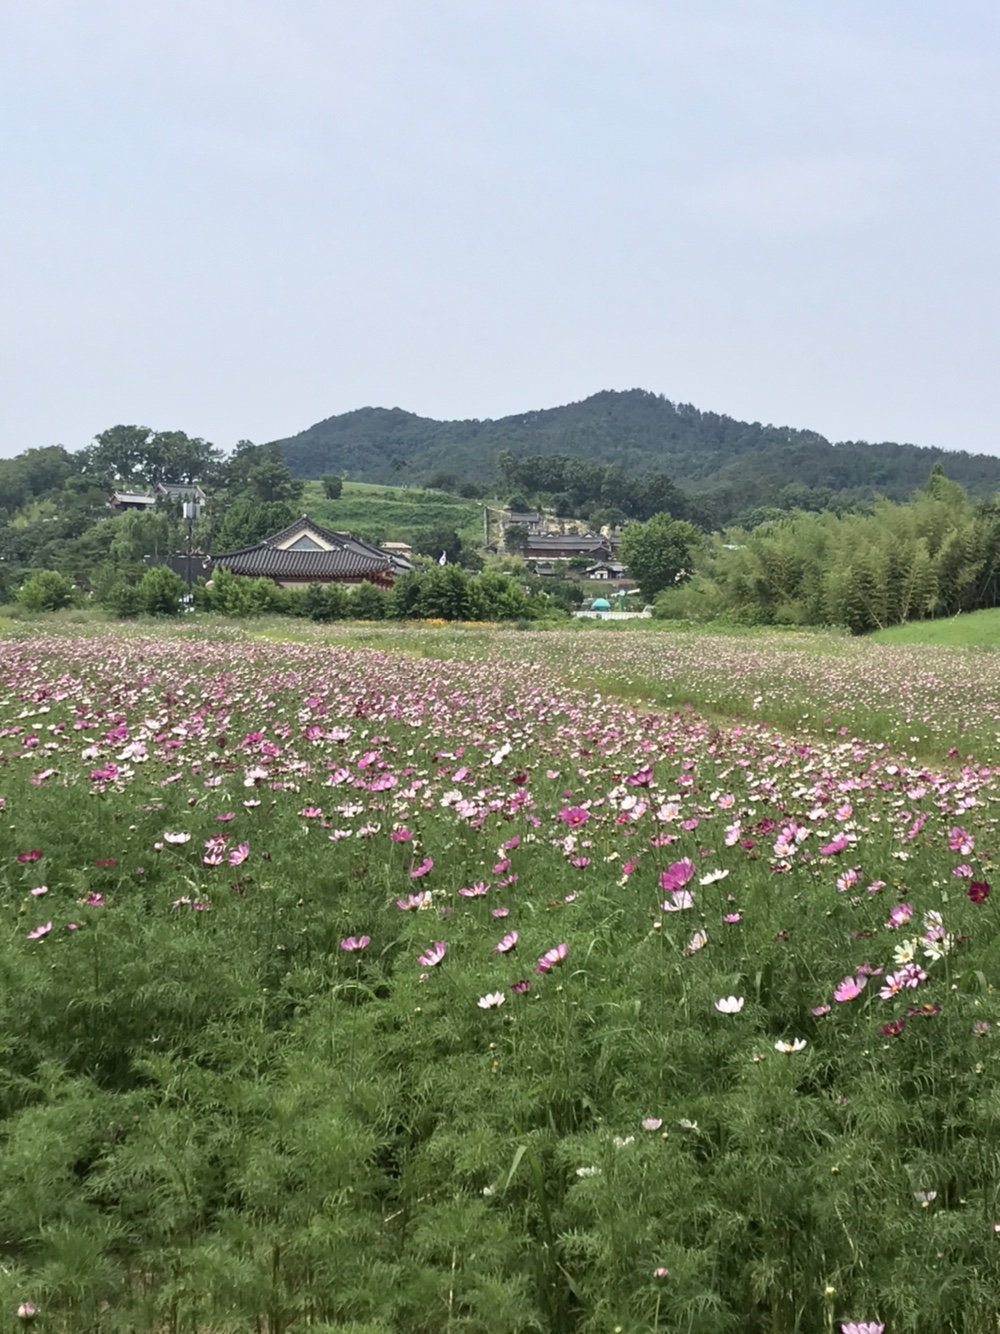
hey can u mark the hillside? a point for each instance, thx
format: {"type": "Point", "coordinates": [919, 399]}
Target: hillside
{"type": "Point", "coordinates": [738, 464]}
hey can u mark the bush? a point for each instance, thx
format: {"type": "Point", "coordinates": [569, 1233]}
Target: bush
{"type": "Point", "coordinates": [160, 592]}
{"type": "Point", "coordinates": [47, 591]}
{"type": "Point", "coordinates": [122, 599]}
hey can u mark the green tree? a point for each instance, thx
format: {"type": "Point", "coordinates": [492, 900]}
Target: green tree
{"type": "Point", "coordinates": [433, 541]}
{"type": "Point", "coordinates": [515, 538]}
{"type": "Point", "coordinates": [333, 486]}
{"type": "Point", "coordinates": [48, 590]}
{"type": "Point", "coordinates": [659, 553]}
{"type": "Point", "coordinates": [247, 522]}
{"type": "Point", "coordinates": [367, 603]}
{"type": "Point", "coordinates": [160, 592]}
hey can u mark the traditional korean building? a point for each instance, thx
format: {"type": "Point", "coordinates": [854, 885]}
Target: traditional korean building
{"type": "Point", "coordinates": [306, 553]}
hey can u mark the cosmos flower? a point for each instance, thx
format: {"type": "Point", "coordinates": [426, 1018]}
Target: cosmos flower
{"type": "Point", "coordinates": [551, 957]}
{"type": "Point", "coordinates": [678, 901]}
{"type": "Point", "coordinates": [729, 1004]}
{"type": "Point", "coordinates": [354, 943]}
{"type": "Point", "coordinates": [40, 931]}
{"type": "Point", "coordinates": [796, 1045]}
{"type": "Point", "coordinates": [506, 944]}
{"type": "Point", "coordinates": [850, 988]}
{"type": "Point", "coordinates": [491, 1000]}
{"type": "Point", "coordinates": [697, 942]}
{"type": "Point", "coordinates": [433, 956]}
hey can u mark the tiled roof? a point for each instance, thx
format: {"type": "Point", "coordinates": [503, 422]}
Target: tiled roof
{"type": "Point", "coordinates": [556, 542]}
{"type": "Point", "coordinates": [350, 557]}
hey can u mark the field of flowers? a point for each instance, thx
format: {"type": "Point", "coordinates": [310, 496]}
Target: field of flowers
{"type": "Point", "coordinates": [352, 990]}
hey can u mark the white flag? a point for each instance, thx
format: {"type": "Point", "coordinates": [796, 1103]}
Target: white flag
{"type": "Point", "coordinates": [443, 558]}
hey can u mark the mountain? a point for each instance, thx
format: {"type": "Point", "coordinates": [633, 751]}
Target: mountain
{"type": "Point", "coordinates": [735, 464]}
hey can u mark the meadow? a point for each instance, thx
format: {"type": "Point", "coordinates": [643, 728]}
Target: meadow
{"type": "Point", "coordinates": [491, 981]}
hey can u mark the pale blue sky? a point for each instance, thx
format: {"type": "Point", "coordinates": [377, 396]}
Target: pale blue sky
{"type": "Point", "coordinates": [236, 217]}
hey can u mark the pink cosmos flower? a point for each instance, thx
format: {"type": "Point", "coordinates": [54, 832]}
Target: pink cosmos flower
{"type": "Point", "coordinates": [820, 1010]}
{"type": "Point", "coordinates": [422, 900]}
{"type": "Point", "coordinates": [353, 944]}
{"type": "Point", "coordinates": [861, 1327]}
{"type": "Point", "coordinates": [475, 891]}
{"type": "Point", "coordinates": [33, 856]}
{"type": "Point", "coordinates": [507, 944]}
{"type": "Point", "coordinates": [676, 875]}
{"type": "Point", "coordinates": [652, 1122]}
{"type": "Point", "coordinates": [27, 1311]}
{"type": "Point", "coordinates": [499, 912]}
{"type": "Point", "coordinates": [899, 915]}
{"type": "Point", "coordinates": [978, 891]}
{"type": "Point", "coordinates": [311, 812]}
{"type": "Point", "coordinates": [433, 956]}
{"type": "Point", "coordinates": [519, 988]}
{"type": "Point", "coordinates": [574, 816]}
{"type": "Point", "coordinates": [40, 931]}
{"type": "Point", "coordinates": [239, 854]}
{"type": "Point", "coordinates": [731, 917]}
{"type": "Point", "coordinates": [660, 1272]}
{"type": "Point", "coordinates": [176, 838]}
{"type": "Point", "coordinates": [422, 869]}
{"type": "Point", "coordinates": [39, 890]}
{"type": "Point", "coordinates": [836, 845]}
{"type": "Point", "coordinates": [893, 1028]}
{"type": "Point", "coordinates": [850, 988]}
{"type": "Point", "coordinates": [401, 836]}
{"type": "Point", "coordinates": [551, 958]}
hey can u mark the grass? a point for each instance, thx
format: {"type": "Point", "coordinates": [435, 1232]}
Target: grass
{"type": "Point", "coordinates": [249, 1090]}
{"type": "Point", "coordinates": [977, 629]}
{"type": "Point", "coordinates": [394, 513]}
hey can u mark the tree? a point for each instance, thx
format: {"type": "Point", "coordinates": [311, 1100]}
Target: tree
{"type": "Point", "coordinates": [433, 541]}
{"type": "Point", "coordinates": [247, 522]}
{"type": "Point", "coordinates": [47, 591]}
{"type": "Point", "coordinates": [515, 538]}
{"type": "Point", "coordinates": [160, 592]}
{"type": "Point", "coordinates": [333, 486]}
{"type": "Point", "coordinates": [659, 553]}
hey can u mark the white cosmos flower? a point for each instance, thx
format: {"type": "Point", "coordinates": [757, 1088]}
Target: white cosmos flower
{"type": "Point", "coordinates": [796, 1044]}
{"type": "Point", "coordinates": [712, 877]}
{"type": "Point", "coordinates": [729, 1004]}
{"type": "Point", "coordinates": [491, 1000]}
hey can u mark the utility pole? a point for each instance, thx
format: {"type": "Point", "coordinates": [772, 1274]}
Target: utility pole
{"type": "Point", "coordinates": [192, 511]}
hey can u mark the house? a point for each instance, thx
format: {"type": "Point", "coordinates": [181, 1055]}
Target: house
{"type": "Point", "coordinates": [564, 546]}
{"type": "Point", "coordinates": [530, 519]}
{"type": "Point", "coordinates": [180, 491]}
{"type": "Point", "coordinates": [306, 553]}
{"type": "Point", "coordinates": [606, 569]}
{"type": "Point", "coordinates": [131, 500]}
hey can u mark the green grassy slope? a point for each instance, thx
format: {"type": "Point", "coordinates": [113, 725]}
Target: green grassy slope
{"type": "Point", "coordinates": [978, 629]}
{"type": "Point", "coordinates": [394, 513]}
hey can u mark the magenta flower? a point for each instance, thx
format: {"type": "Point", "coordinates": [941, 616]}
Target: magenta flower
{"type": "Point", "coordinates": [978, 891]}
{"type": "Point", "coordinates": [432, 957]}
{"type": "Point", "coordinates": [422, 869]}
{"type": "Point", "coordinates": [519, 988]}
{"type": "Point", "coordinates": [33, 856]}
{"type": "Point", "coordinates": [307, 812]}
{"type": "Point", "coordinates": [899, 915]}
{"type": "Point", "coordinates": [239, 854]}
{"type": "Point", "coordinates": [422, 900]}
{"type": "Point", "coordinates": [861, 1327]}
{"type": "Point", "coordinates": [475, 891]}
{"type": "Point", "coordinates": [401, 835]}
{"type": "Point", "coordinates": [731, 917]}
{"type": "Point", "coordinates": [850, 988]}
{"type": "Point", "coordinates": [893, 1028]}
{"type": "Point", "coordinates": [676, 875]}
{"type": "Point", "coordinates": [574, 816]}
{"type": "Point", "coordinates": [352, 944]}
{"type": "Point", "coordinates": [507, 944]}
{"type": "Point", "coordinates": [499, 912]}
{"type": "Point", "coordinates": [40, 931]}
{"type": "Point", "coordinates": [820, 1010]}
{"type": "Point", "coordinates": [836, 845]}
{"type": "Point", "coordinates": [551, 957]}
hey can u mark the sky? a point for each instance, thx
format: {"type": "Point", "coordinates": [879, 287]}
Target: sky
{"type": "Point", "coordinates": [238, 217]}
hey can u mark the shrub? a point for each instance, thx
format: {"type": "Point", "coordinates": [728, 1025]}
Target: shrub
{"type": "Point", "coordinates": [160, 592]}
{"type": "Point", "coordinates": [47, 591]}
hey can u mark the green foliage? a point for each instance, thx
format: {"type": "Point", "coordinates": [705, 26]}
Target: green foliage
{"type": "Point", "coordinates": [137, 456]}
{"type": "Point", "coordinates": [333, 486]}
{"type": "Point", "coordinates": [731, 465]}
{"type": "Point", "coordinates": [659, 553]}
{"type": "Point", "coordinates": [247, 522]}
{"type": "Point", "coordinates": [47, 591]}
{"type": "Point", "coordinates": [237, 596]}
{"type": "Point", "coordinates": [435, 541]}
{"type": "Point", "coordinates": [935, 556]}
{"type": "Point", "coordinates": [515, 538]}
{"type": "Point", "coordinates": [368, 602]}
{"type": "Point", "coordinates": [160, 592]}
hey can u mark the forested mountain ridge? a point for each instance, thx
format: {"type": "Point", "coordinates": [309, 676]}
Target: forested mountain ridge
{"type": "Point", "coordinates": [737, 464]}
